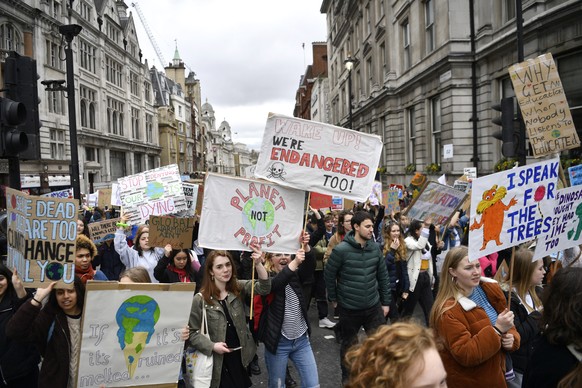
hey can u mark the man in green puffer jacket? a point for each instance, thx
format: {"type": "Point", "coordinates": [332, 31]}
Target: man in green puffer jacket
{"type": "Point", "coordinates": [357, 281]}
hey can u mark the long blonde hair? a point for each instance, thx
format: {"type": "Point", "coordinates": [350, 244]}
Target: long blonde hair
{"type": "Point", "coordinates": [384, 358]}
{"type": "Point", "coordinates": [523, 268]}
{"type": "Point", "coordinates": [401, 251]}
{"type": "Point", "coordinates": [448, 289]}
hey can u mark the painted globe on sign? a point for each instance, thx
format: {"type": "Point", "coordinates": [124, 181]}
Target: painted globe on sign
{"type": "Point", "coordinates": [258, 216]}
{"type": "Point", "coordinates": [556, 133]}
{"type": "Point", "coordinates": [154, 190]}
{"type": "Point", "coordinates": [54, 271]}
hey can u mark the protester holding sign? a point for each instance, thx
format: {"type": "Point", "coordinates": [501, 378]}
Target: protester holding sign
{"type": "Point", "coordinates": [420, 268]}
{"type": "Point", "coordinates": [84, 254]}
{"type": "Point", "coordinates": [55, 329]}
{"type": "Point", "coordinates": [223, 296]}
{"type": "Point", "coordinates": [470, 316]}
{"type": "Point", "coordinates": [557, 358]}
{"type": "Point", "coordinates": [177, 268]}
{"type": "Point", "coordinates": [284, 325]}
{"type": "Point", "coordinates": [18, 359]}
{"type": "Point", "coordinates": [141, 254]}
{"type": "Point", "coordinates": [108, 260]}
{"type": "Point", "coordinates": [526, 305]}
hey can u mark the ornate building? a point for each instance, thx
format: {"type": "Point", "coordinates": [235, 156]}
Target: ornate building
{"type": "Point", "coordinates": [427, 72]}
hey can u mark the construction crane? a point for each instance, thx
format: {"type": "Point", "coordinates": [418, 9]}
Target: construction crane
{"type": "Point", "coordinates": [150, 34]}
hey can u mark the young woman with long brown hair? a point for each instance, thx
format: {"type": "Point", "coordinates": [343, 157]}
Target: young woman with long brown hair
{"type": "Point", "coordinates": [395, 256]}
{"type": "Point", "coordinates": [222, 295]}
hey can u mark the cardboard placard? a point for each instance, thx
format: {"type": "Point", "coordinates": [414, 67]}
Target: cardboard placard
{"type": "Point", "coordinates": [135, 339]}
{"type": "Point", "coordinates": [391, 201]}
{"type": "Point", "coordinates": [102, 231]}
{"type": "Point", "coordinates": [176, 231]}
{"type": "Point", "coordinates": [42, 233]}
{"type": "Point", "coordinates": [104, 198]}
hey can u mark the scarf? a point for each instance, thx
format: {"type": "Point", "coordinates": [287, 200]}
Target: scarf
{"type": "Point", "coordinates": [85, 275]}
{"type": "Point", "coordinates": [183, 276]}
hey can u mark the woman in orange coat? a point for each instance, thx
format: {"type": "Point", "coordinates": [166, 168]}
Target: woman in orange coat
{"type": "Point", "coordinates": [471, 318]}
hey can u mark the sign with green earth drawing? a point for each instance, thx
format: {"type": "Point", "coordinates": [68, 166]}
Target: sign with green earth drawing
{"type": "Point", "coordinates": [239, 212]}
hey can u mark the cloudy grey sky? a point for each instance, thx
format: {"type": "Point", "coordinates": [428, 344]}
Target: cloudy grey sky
{"type": "Point", "coordinates": [247, 54]}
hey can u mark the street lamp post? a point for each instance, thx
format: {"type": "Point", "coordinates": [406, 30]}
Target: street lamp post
{"type": "Point", "coordinates": [349, 64]}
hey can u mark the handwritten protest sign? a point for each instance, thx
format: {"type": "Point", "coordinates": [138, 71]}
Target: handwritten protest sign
{"type": "Point", "coordinates": [66, 193]}
{"type": "Point", "coordinates": [543, 105]}
{"type": "Point", "coordinates": [191, 195]}
{"type": "Point", "coordinates": [313, 156]}
{"type": "Point", "coordinates": [376, 193]}
{"type": "Point", "coordinates": [134, 338]}
{"type": "Point", "coordinates": [575, 173]}
{"type": "Point", "coordinates": [152, 193]}
{"type": "Point", "coordinates": [337, 203]}
{"type": "Point", "coordinates": [176, 231]}
{"type": "Point", "coordinates": [436, 201]}
{"type": "Point", "coordinates": [509, 207]}
{"type": "Point", "coordinates": [320, 201]}
{"type": "Point", "coordinates": [103, 230]}
{"type": "Point", "coordinates": [391, 201]}
{"type": "Point", "coordinates": [237, 212]}
{"type": "Point", "coordinates": [41, 237]}
{"type": "Point", "coordinates": [566, 223]}
{"type": "Point", "coordinates": [115, 198]}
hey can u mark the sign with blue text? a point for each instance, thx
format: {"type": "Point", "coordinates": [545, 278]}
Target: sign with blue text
{"type": "Point", "coordinates": [575, 173]}
{"type": "Point", "coordinates": [42, 233]}
{"type": "Point", "coordinates": [511, 207]}
{"type": "Point", "coordinates": [314, 156]}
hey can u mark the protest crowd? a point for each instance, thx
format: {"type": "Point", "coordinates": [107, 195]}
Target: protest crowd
{"type": "Point", "coordinates": [494, 313]}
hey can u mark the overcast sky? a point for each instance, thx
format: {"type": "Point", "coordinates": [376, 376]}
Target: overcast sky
{"type": "Point", "coordinates": [247, 54]}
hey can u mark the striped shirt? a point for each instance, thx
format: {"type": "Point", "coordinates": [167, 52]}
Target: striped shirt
{"type": "Point", "coordinates": [480, 298]}
{"type": "Point", "coordinates": [294, 325]}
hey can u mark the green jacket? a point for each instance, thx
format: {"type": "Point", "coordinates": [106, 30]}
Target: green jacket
{"type": "Point", "coordinates": [217, 325]}
{"type": "Point", "coordinates": [355, 276]}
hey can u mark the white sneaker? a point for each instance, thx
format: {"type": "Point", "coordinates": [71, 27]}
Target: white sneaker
{"type": "Point", "coordinates": [326, 323]}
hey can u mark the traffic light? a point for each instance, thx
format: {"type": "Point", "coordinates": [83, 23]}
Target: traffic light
{"type": "Point", "coordinates": [12, 114]}
{"type": "Point", "coordinates": [507, 134]}
{"type": "Point", "coordinates": [20, 82]}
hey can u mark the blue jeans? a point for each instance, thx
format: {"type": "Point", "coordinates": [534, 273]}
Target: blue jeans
{"type": "Point", "coordinates": [299, 351]}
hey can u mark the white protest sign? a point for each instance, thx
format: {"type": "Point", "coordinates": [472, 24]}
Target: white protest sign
{"type": "Point", "coordinates": [509, 208]}
{"type": "Point", "coordinates": [566, 219]}
{"type": "Point", "coordinates": [237, 212]}
{"type": "Point", "coordinates": [191, 195]}
{"type": "Point", "coordinates": [447, 151]}
{"type": "Point", "coordinates": [155, 192]}
{"type": "Point", "coordinates": [66, 193]}
{"type": "Point", "coordinates": [318, 157]}
{"type": "Point", "coordinates": [134, 338]}
{"type": "Point", "coordinates": [115, 198]}
{"type": "Point", "coordinates": [437, 202]}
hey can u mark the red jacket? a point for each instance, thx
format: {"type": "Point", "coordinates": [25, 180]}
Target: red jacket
{"type": "Point", "coordinates": [472, 352]}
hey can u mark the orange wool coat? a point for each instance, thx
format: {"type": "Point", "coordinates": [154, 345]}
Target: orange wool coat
{"type": "Point", "coordinates": [472, 352]}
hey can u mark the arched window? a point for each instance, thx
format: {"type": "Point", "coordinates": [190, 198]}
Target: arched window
{"type": "Point", "coordinates": [10, 38]}
{"type": "Point", "coordinates": [92, 123]}
{"type": "Point", "coordinates": [83, 113]}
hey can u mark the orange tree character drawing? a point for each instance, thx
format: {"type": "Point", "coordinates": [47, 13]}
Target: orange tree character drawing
{"type": "Point", "coordinates": [492, 211]}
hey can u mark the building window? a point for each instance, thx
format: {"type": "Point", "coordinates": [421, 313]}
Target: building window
{"type": "Point", "coordinates": [114, 71]}
{"type": "Point", "coordinates": [508, 10]}
{"type": "Point", "coordinates": [406, 60]}
{"type": "Point", "coordinates": [179, 111]}
{"type": "Point", "coordinates": [147, 91]}
{"type": "Point", "coordinates": [137, 163]}
{"type": "Point", "coordinates": [151, 162]}
{"type": "Point", "coordinates": [381, 10]}
{"type": "Point", "coordinates": [52, 55]}
{"type": "Point", "coordinates": [55, 10]}
{"type": "Point", "coordinates": [117, 164]}
{"type": "Point", "coordinates": [383, 60]}
{"type": "Point", "coordinates": [135, 123]}
{"type": "Point", "coordinates": [10, 39]}
{"type": "Point", "coordinates": [92, 154]}
{"type": "Point", "coordinates": [115, 116]}
{"type": "Point", "coordinates": [86, 11]}
{"type": "Point", "coordinates": [57, 144]}
{"type": "Point", "coordinates": [181, 146]}
{"type": "Point", "coordinates": [368, 20]}
{"type": "Point", "coordinates": [437, 145]}
{"type": "Point", "coordinates": [429, 25]}
{"type": "Point", "coordinates": [149, 121]}
{"type": "Point", "coordinates": [56, 102]}
{"type": "Point", "coordinates": [112, 33]}
{"type": "Point", "coordinates": [412, 136]}
{"type": "Point", "coordinates": [370, 74]}
{"type": "Point", "coordinates": [134, 83]}
{"type": "Point", "coordinates": [88, 56]}
{"type": "Point", "coordinates": [87, 111]}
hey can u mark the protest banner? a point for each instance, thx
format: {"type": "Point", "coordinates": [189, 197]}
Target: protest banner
{"type": "Point", "coordinates": [154, 192]}
{"type": "Point", "coordinates": [237, 212]}
{"type": "Point", "coordinates": [66, 193]}
{"type": "Point", "coordinates": [250, 171]}
{"type": "Point", "coordinates": [314, 156]}
{"type": "Point", "coordinates": [320, 201]}
{"type": "Point", "coordinates": [102, 231]}
{"type": "Point", "coordinates": [511, 207]}
{"type": "Point", "coordinates": [544, 105]}
{"type": "Point", "coordinates": [337, 203]}
{"type": "Point", "coordinates": [566, 223]}
{"type": "Point", "coordinates": [176, 231]}
{"type": "Point", "coordinates": [437, 202]}
{"type": "Point", "coordinates": [104, 198]}
{"type": "Point", "coordinates": [191, 195]}
{"type": "Point", "coordinates": [135, 339]}
{"type": "Point", "coordinates": [391, 201]}
{"type": "Point", "coordinates": [41, 238]}
{"type": "Point", "coordinates": [575, 173]}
